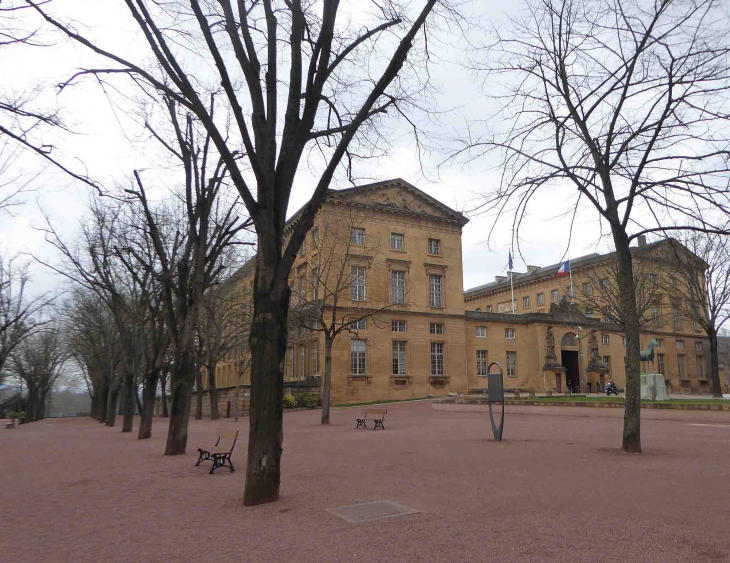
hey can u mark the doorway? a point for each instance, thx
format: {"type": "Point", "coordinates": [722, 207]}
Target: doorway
{"type": "Point", "coordinates": [569, 359]}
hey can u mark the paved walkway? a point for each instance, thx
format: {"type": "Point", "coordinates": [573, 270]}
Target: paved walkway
{"type": "Point", "coordinates": [557, 489]}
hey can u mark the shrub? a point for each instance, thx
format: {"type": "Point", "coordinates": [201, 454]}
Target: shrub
{"type": "Point", "coordinates": [289, 402]}
{"type": "Point", "coordinates": [310, 400]}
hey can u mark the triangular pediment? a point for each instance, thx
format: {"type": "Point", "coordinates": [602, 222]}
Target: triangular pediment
{"type": "Point", "coordinates": [399, 195]}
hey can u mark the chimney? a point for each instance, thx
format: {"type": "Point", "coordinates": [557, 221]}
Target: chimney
{"type": "Point", "coordinates": [500, 278]}
{"type": "Point", "coordinates": [642, 240]}
{"type": "Point", "coordinates": [533, 269]}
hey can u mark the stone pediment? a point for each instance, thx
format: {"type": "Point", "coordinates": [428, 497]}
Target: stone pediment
{"type": "Point", "coordinates": [400, 195]}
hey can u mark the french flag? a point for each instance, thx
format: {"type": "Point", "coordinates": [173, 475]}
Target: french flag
{"type": "Point", "coordinates": [564, 269]}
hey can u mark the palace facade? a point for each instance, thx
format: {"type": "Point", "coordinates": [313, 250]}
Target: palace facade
{"type": "Point", "coordinates": [387, 258]}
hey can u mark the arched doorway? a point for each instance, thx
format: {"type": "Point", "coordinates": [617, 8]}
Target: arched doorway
{"type": "Point", "coordinates": [569, 358]}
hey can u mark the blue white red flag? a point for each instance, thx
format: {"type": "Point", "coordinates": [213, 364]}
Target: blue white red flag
{"type": "Point", "coordinates": [511, 265]}
{"type": "Point", "coordinates": [564, 269]}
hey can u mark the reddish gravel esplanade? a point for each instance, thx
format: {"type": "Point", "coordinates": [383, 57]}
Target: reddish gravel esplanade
{"type": "Point", "coordinates": [556, 489]}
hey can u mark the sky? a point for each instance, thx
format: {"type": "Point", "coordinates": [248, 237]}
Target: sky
{"type": "Point", "coordinates": [103, 143]}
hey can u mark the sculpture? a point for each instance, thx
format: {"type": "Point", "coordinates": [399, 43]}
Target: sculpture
{"type": "Point", "coordinates": [648, 354]}
{"type": "Point", "coordinates": [550, 358]}
{"type": "Point", "coordinates": [595, 364]}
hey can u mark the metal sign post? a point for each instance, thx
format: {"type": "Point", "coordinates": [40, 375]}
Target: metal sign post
{"type": "Point", "coordinates": [495, 384]}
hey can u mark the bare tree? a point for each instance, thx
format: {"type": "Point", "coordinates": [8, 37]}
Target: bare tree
{"type": "Point", "coordinates": [700, 288]}
{"type": "Point", "coordinates": [19, 313]}
{"type": "Point", "coordinates": [333, 275]}
{"type": "Point", "coordinates": [599, 294]}
{"type": "Point", "coordinates": [625, 101]}
{"type": "Point", "coordinates": [299, 57]}
{"type": "Point", "coordinates": [39, 361]}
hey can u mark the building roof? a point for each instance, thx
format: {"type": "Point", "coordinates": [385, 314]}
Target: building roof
{"type": "Point", "coordinates": [550, 271]}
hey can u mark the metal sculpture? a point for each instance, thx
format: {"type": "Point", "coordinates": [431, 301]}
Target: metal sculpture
{"type": "Point", "coordinates": [495, 385]}
{"type": "Point", "coordinates": [648, 354]}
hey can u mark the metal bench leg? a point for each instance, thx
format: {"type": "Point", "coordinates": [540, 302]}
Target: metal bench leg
{"type": "Point", "coordinates": [361, 422]}
{"type": "Point", "coordinates": [379, 423]}
{"type": "Point", "coordinates": [201, 458]}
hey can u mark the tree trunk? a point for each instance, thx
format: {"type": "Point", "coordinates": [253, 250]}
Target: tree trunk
{"type": "Point", "coordinates": [199, 395]}
{"type": "Point", "coordinates": [632, 411]}
{"type": "Point", "coordinates": [128, 406]}
{"type": "Point", "coordinates": [181, 381]}
{"type": "Point", "coordinates": [104, 399]}
{"type": "Point", "coordinates": [139, 403]}
{"type": "Point", "coordinates": [30, 405]}
{"type": "Point", "coordinates": [148, 405]}
{"type": "Point", "coordinates": [715, 366]}
{"type": "Point", "coordinates": [163, 388]}
{"type": "Point", "coordinates": [268, 346]}
{"type": "Point", "coordinates": [326, 380]}
{"type": "Point", "coordinates": [111, 416]}
{"type": "Point", "coordinates": [236, 401]}
{"type": "Point", "coordinates": [212, 391]}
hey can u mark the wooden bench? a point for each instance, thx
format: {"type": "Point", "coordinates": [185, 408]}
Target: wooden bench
{"type": "Point", "coordinates": [218, 454]}
{"type": "Point", "coordinates": [376, 415]}
{"type": "Point", "coordinates": [10, 424]}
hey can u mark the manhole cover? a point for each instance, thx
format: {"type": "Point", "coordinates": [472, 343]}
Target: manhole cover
{"type": "Point", "coordinates": [375, 510]}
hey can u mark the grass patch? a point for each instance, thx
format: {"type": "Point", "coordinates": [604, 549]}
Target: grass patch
{"type": "Point", "coordinates": [621, 400]}
{"type": "Point", "coordinates": [344, 405]}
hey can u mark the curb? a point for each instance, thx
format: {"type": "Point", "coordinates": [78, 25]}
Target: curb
{"type": "Point", "coordinates": [592, 404]}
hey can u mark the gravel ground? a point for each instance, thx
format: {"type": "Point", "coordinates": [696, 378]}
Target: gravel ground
{"type": "Point", "coordinates": [556, 489]}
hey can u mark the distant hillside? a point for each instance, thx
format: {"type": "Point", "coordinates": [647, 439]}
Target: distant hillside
{"type": "Point", "coordinates": [69, 402]}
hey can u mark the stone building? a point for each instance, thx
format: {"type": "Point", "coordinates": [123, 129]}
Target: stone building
{"type": "Point", "coordinates": [413, 331]}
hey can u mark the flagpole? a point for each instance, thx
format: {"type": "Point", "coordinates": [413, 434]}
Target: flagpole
{"type": "Point", "coordinates": [572, 291]}
{"type": "Point", "coordinates": [512, 287]}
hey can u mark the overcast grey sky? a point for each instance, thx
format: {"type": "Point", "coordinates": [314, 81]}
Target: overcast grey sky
{"type": "Point", "coordinates": [100, 144]}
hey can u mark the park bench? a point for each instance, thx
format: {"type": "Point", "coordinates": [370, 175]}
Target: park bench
{"type": "Point", "coordinates": [218, 454]}
{"type": "Point", "coordinates": [376, 415]}
{"type": "Point", "coordinates": [10, 424]}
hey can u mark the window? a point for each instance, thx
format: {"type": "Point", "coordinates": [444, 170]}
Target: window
{"type": "Point", "coordinates": [434, 246]}
{"type": "Point", "coordinates": [660, 363]}
{"type": "Point", "coordinates": [357, 236]}
{"type": "Point", "coordinates": [398, 286]}
{"type": "Point", "coordinates": [437, 358]}
{"type": "Point", "coordinates": [511, 364]}
{"type": "Point", "coordinates": [607, 314]}
{"type": "Point", "coordinates": [541, 299]}
{"type": "Point", "coordinates": [437, 328]}
{"type": "Point", "coordinates": [302, 290]}
{"type": "Point", "coordinates": [673, 281]}
{"type": "Point", "coordinates": [652, 280]}
{"type": "Point", "coordinates": [604, 339]}
{"type": "Point", "coordinates": [315, 236]}
{"type": "Point", "coordinates": [360, 324]}
{"type": "Point", "coordinates": [303, 248]}
{"type": "Point", "coordinates": [700, 367]}
{"type": "Point", "coordinates": [526, 302]}
{"type": "Point", "coordinates": [695, 316]}
{"type": "Point", "coordinates": [506, 307]}
{"type": "Point", "coordinates": [357, 357]}
{"type": "Point", "coordinates": [481, 362]}
{"type": "Point", "coordinates": [657, 314]}
{"type": "Point", "coordinates": [680, 365]}
{"type": "Point", "coordinates": [315, 283]}
{"type": "Point", "coordinates": [489, 308]}
{"type": "Point", "coordinates": [315, 359]}
{"type": "Point", "coordinates": [569, 291]}
{"type": "Point", "coordinates": [398, 326]}
{"type": "Point", "coordinates": [604, 284]}
{"type": "Point", "coordinates": [397, 241]}
{"type": "Point", "coordinates": [589, 311]}
{"type": "Point", "coordinates": [290, 362]}
{"type": "Point", "coordinates": [554, 295]}
{"type": "Point", "coordinates": [478, 309]}
{"type": "Point", "coordinates": [480, 331]}
{"type": "Point", "coordinates": [434, 287]}
{"type": "Point", "coordinates": [607, 362]}
{"type": "Point", "coordinates": [357, 283]}
{"type": "Point", "coordinates": [680, 344]}
{"type": "Point", "coordinates": [659, 341]}
{"type": "Point", "coordinates": [399, 357]}
{"type": "Point", "coordinates": [698, 346]}
{"type": "Point", "coordinates": [676, 317]}
{"type": "Point", "coordinates": [587, 289]}
{"type": "Point", "coordinates": [509, 333]}
{"type": "Point", "coordinates": [302, 362]}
